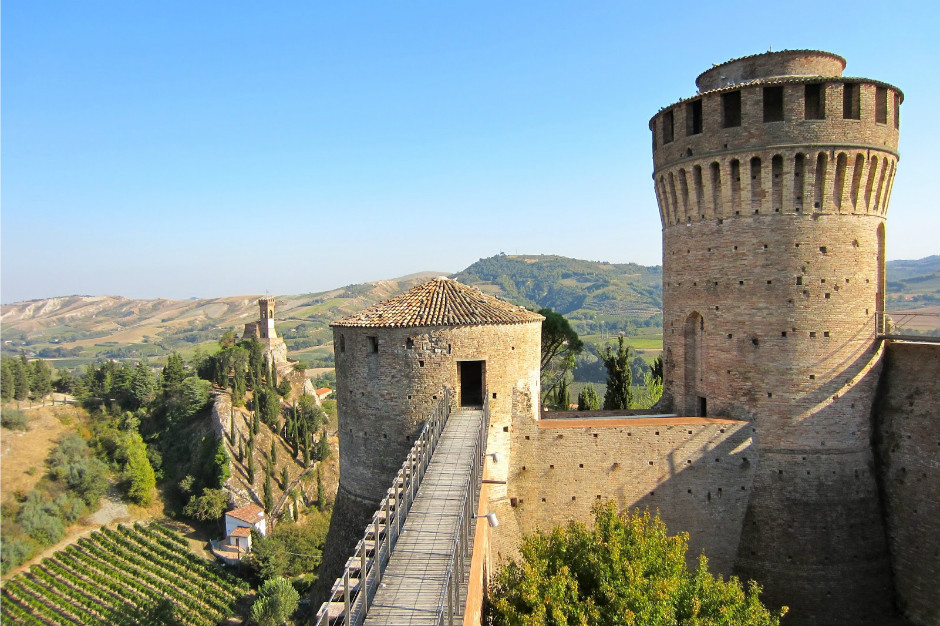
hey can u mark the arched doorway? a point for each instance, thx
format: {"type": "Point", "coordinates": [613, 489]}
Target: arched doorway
{"type": "Point", "coordinates": [695, 401]}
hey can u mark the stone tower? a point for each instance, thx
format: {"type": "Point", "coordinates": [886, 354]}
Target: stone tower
{"type": "Point", "coordinates": [773, 185]}
{"type": "Point", "coordinates": [394, 359]}
{"type": "Point", "coordinates": [266, 327]}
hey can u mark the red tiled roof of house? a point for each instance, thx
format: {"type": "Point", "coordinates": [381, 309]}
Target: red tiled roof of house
{"type": "Point", "coordinates": [241, 531]}
{"type": "Point", "coordinates": [440, 302]}
{"type": "Point", "coordinates": [250, 513]}
{"type": "Point", "coordinates": [323, 391]}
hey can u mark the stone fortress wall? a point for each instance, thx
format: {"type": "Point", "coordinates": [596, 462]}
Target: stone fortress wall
{"type": "Point", "coordinates": [773, 185]}
{"type": "Point", "coordinates": [907, 417]}
{"type": "Point", "coordinates": [389, 379]}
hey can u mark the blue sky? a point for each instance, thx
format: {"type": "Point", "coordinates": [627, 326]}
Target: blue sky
{"type": "Point", "coordinates": [180, 149]}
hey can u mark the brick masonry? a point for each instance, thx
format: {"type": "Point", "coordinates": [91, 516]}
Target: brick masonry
{"type": "Point", "coordinates": [908, 428]}
{"type": "Point", "coordinates": [773, 185]}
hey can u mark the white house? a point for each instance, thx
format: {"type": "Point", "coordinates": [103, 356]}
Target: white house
{"type": "Point", "coordinates": [238, 526]}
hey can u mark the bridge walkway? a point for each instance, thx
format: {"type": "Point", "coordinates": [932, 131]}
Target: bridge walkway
{"type": "Point", "coordinates": [415, 581]}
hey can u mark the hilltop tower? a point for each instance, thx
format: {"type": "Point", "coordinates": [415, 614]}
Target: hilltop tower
{"type": "Point", "coordinates": [266, 327]}
{"type": "Point", "coordinates": [773, 184]}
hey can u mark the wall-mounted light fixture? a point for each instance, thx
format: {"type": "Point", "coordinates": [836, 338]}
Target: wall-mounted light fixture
{"type": "Point", "coordinates": [495, 456]}
{"type": "Point", "coordinates": [490, 518]}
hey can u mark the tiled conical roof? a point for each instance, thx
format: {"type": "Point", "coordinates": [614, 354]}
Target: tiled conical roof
{"type": "Point", "coordinates": [440, 302]}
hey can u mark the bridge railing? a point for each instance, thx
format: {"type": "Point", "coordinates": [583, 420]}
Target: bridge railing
{"type": "Point", "coordinates": [352, 593]}
{"type": "Point", "coordinates": [908, 325]}
{"type": "Point", "coordinates": [450, 604]}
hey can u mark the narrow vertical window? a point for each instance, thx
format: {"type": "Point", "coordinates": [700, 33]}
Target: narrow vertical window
{"type": "Point", "coordinates": [815, 101]}
{"type": "Point", "coordinates": [374, 344]}
{"type": "Point", "coordinates": [716, 187]}
{"type": "Point", "coordinates": [799, 168]}
{"type": "Point", "coordinates": [672, 195]}
{"type": "Point", "coordinates": [342, 343]}
{"type": "Point", "coordinates": [776, 182]}
{"type": "Point", "coordinates": [857, 178]}
{"type": "Point", "coordinates": [731, 109]}
{"type": "Point", "coordinates": [684, 190]}
{"type": "Point", "coordinates": [735, 185]}
{"type": "Point", "coordinates": [838, 185]}
{"type": "Point", "coordinates": [693, 117]}
{"type": "Point", "coordinates": [757, 184]}
{"type": "Point", "coordinates": [668, 127]}
{"type": "Point", "coordinates": [881, 105]}
{"type": "Point", "coordinates": [872, 172]}
{"type": "Point", "coordinates": [822, 162]}
{"type": "Point", "coordinates": [773, 104]}
{"type": "Point", "coordinates": [699, 193]}
{"type": "Point", "coordinates": [851, 105]}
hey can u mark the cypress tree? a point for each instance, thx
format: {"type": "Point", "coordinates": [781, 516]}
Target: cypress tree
{"type": "Point", "coordinates": [268, 494]}
{"type": "Point", "coordinates": [323, 447]}
{"type": "Point", "coordinates": [320, 496]}
{"type": "Point", "coordinates": [255, 422]}
{"type": "Point", "coordinates": [273, 452]}
{"type": "Point", "coordinates": [619, 394]}
{"type": "Point", "coordinates": [251, 464]}
{"type": "Point", "coordinates": [285, 478]}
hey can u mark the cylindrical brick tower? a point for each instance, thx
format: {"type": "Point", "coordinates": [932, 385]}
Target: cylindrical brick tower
{"type": "Point", "coordinates": [773, 185]}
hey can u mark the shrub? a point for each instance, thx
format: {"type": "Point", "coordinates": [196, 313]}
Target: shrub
{"type": "Point", "coordinates": [12, 419]}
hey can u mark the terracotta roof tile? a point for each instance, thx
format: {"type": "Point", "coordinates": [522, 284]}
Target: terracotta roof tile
{"type": "Point", "coordinates": [440, 302]}
{"type": "Point", "coordinates": [241, 531]}
{"type": "Point", "coordinates": [250, 513]}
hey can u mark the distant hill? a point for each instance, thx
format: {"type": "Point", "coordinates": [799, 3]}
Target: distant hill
{"type": "Point", "coordinates": [601, 299]}
{"type": "Point", "coordinates": [76, 329]}
{"type": "Point", "coordinates": [580, 290]}
{"type": "Point", "coordinates": [913, 284]}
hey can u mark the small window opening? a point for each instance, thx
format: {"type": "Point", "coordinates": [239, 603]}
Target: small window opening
{"type": "Point", "coordinates": [420, 363]}
{"type": "Point", "coordinates": [773, 104]}
{"type": "Point", "coordinates": [731, 109]}
{"type": "Point", "coordinates": [897, 111]}
{"type": "Point", "coordinates": [812, 334]}
{"type": "Point", "coordinates": [814, 101]}
{"type": "Point", "coordinates": [409, 343]}
{"type": "Point", "coordinates": [374, 344]}
{"type": "Point", "coordinates": [881, 105]}
{"type": "Point", "coordinates": [825, 333]}
{"type": "Point", "coordinates": [693, 117]}
{"type": "Point", "coordinates": [342, 343]}
{"type": "Point", "coordinates": [668, 127]}
{"type": "Point", "coordinates": [799, 280]}
{"type": "Point", "coordinates": [822, 249]}
{"type": "Point", "coordinates": [851, 106]}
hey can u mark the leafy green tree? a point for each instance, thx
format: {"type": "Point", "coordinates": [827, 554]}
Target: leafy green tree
{"type": "Point", "coordinates": [309, 412]}
{"type": "Point", "coordinates": [228, 339]}
{"type": "Point", "coordinates": [7, 379]}
{"type": "Point", "coordinates": [270, 406]}
{"type": "Point", "coordinates": [138, 473]}
{"type": "Point", "coordinates": [268, 492]}
{"type": "Point", "coordinates": [143, 386]}
{"type": "Point", "coordinates": [40, 519]}
{"type": "Point", "coordinates": [619, 394]}
{"type": "Point", "coordinates": [221, 465]}
{"type": "Point", "coordinates": [209, 506]}
{"type": "Point", "coordinates": [562, 400]}
{"type": "Point", "coordinates": [284, 388]}
{"type": "Point", "coordinates": [277, 600]}
{"type": "Point", "coordinates": [323, 447]}
{"type": "Point", "coordinates": [21, 379]}
{"type": "Point", "coordinates": [72, 463]}
{"type": "Point", "coordinates": [627, 570]}
{"type": "Point", "coordinates": [40, 380]}
{"type": "Point", "coordinates": [657, 368]}
{"type": "Point", "coordinates": [649, 392]}
{"type": "Point", "coordinates": [66, 382]}
{"type": "Point", "coordinates": [560, 346]}
{"type": "Point", "coordinates": [173, 372]}
{"type": "Point", "coordinates": [587, 398]}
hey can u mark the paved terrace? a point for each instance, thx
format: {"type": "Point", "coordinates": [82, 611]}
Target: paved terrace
{"type": "Point", "coordinates": [415, 581]}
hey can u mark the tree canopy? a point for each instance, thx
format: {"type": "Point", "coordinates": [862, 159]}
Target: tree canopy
{"type": "Point", "coordinates": [560, 345]}
{"type": "Point", "coordinates": [619, 377]}
{"type": "Point", "coordinates": [626, 570]}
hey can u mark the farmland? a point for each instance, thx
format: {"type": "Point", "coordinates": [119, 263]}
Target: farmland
{"type": "Point", "coordinates": [140, 574]}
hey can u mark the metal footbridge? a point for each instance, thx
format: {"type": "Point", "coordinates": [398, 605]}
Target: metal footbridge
{"type": "Point", "coordinates": [411, 566]}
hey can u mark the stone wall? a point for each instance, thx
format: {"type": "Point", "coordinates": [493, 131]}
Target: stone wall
{"type": "Point", "coordinates": [697, 472]}
{"type": "Point", "coordinates": [907, 417]}
{"type": "Point", "coordinates": [389, 379]}
{"type": "Point", "coordinates": [773, 195]}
